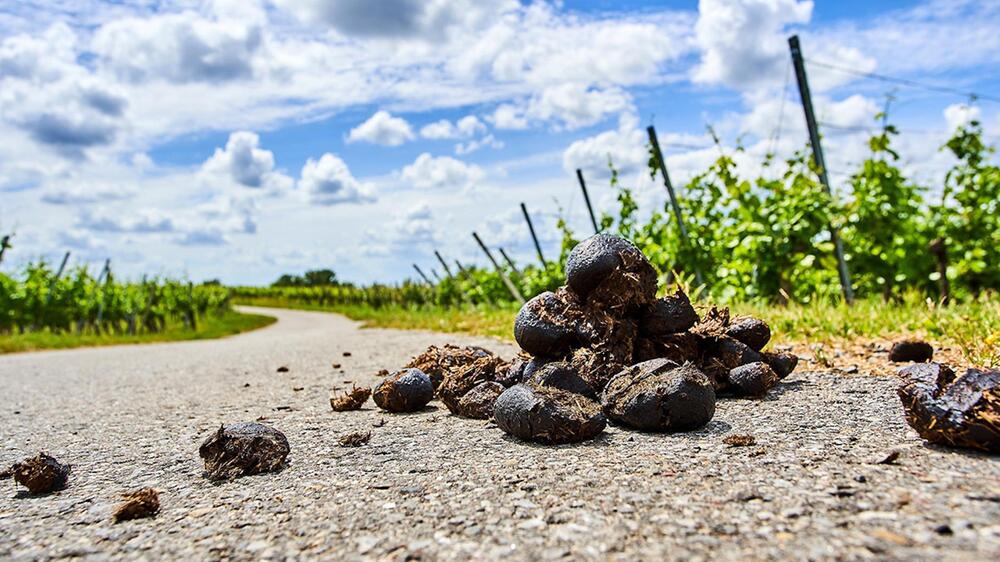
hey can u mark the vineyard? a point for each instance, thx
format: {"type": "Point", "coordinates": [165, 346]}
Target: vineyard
{"type": "Point", "coordinates": [762, 240]}
{"type": "Point", "coordinates": [41, 299]}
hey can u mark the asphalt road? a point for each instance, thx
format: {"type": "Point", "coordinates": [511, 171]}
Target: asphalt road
{"type": "Point", "coordinates": [432, 486]}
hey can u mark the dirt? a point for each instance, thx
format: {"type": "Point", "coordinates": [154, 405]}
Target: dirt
{"type": "Point", "coordinates": [351, 400]}
{"type": "Point", "coordinates": [550, 416]}
{"type": "Point", "coordinates": [41, 474]}
{"type": "Point", "coordinates": [959, 411]}
{"type": "Point", "coordinates": [907, 351]}
{"type": "Point", "coordinates": [407, 390]}
{"type": "Point", "coordinates": [660, 395]}
{"type": "Point", "coordinates": [243, 449]}
{"type": "Point", "coordinates": [137, 504]}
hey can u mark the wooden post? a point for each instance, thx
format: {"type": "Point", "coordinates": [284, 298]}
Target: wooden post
{"type": "Point", "coordinates": [817, 150]}
{"type": "Point", "coordinates": [653, 140]}
{"type": "Point", "coordinates": [426, 279]}
{"type": "Point", "coordinates": [510, 262]}
{"type": "Point", "coordinates": [4, 245]}
{"type": "Point", "coordinates": [586, 198]}
{"type": "Point", "coordinates": [534, 237]}
{"type": "Point", "coordinates": [444, 264]}
{"type": "Point", "coordinates": [506, 280]}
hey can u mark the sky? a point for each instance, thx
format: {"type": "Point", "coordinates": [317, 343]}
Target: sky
{"type": "Point", "coordinates": [242, 139]}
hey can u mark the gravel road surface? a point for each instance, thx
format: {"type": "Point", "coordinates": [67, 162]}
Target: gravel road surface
{"type": "Point", "coordinates": [434, 487]}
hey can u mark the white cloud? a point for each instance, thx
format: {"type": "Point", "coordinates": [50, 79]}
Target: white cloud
{"type": "Point", "coordinates": [466, 127]}
{"type": "Point", "coordinates": [80, 193]}
{"type": "Point", "coordinates": [625, 146]}
{"type": "Point", "coordinates": [328, 181]}
{"type": "Point", "coordinates": [743, 42]}
{"type": "Point", "coordinates": [441, 172]}
{"type": "Point", "coordinates": [509, 116]}
{"type": "Point", "coordinates": [143, 221]}
{"type": "Point", "coordinates": [474, 145]}
{"type": "Point", "coordinates": [959, 114]}
{"type": "Point", "coordinates": [382, 128]}
{"type": "Point", "coordinates": [245, 163]}
{"type": "Point", "coordinates": [183, 47]}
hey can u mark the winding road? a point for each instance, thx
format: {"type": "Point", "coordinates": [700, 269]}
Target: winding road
{"type": "Point", "coordinates": [432, 486]}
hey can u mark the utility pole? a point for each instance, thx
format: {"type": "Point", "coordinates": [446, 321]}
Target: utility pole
{"type": "Point", "coordinates": [655, 142]}
{"type": "Point", "coordinates": [531, 228]}
{"type": "Point", "coordinates": [818, 160]}
{"type": "Point", "coordinates": [586, 198]}
{"type": "Point", "coordinates": [444, 264]}
{"type": "Point", "coordinates": [503, 276]}
{"type": "Point", "coordinates": [420, 271]}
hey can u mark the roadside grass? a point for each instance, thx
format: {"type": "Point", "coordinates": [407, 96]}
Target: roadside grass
{"type": "Point", "coordinates": [212, 326]}
{"type": "Point", "coordinates": [972, 326]}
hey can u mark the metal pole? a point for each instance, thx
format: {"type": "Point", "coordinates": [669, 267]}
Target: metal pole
{"type": "Point", "coordinates": [52, 285]}
{"type": "Point", "coordinates": [434, 273]}
{"type": "Point", "coordinates": [506, 280]}
{"type": "Point", "coordinates": [586, 197]}
{"type": "Point", "coordinates": [102, 279]}
{"type": "Point", "coordinates": [817, 150]}
{"type": "Point", "coordinates": [673, 196]}
{"type": "Point", "coordinates": [510, 262]}
{"type": "Point", "coordinates": [417, 267]}
{"type": "Point", "coordinates": [531, 228]}
{"type": "Point", "coordinates": [444, 264]}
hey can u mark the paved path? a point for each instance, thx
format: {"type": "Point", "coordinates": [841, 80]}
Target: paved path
{"type": "Point", "coordinates": [433, 486]}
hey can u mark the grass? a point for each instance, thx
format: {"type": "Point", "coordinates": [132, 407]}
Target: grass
{"type": "Point", "coordinates": [211, 326]}
{"type": "Point", "coordinates": [972, 326]}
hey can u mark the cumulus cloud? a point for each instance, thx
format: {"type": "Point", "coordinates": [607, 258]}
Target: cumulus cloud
{"type": "Point", "coordinates": [184, 47]}
{"type": "Point", "coordinates": [427, 19]}
{"type": "Point", "coordinates": [245, 163]}
{"type": "Point", "coordinates": [85, 193]}
{"type": "Point", "coordinates": [743, 42]}
{"type": "Point", "coordinates": [382, 128]}
{"type": "Point", "coordinates": [144, 221]}
{"type": "Point", "coordinates": [328, 181]}
{"type": "Point", "coordinates": [565, 106]}
{"type": "Point", "coordinates": [959, 114]}
{"type": "Point", "coordinates": [625, 146]}
{"type": "Point", "coordinates": [441, 172]}
{"type": "Point", "coordinates": [474, 145]}
{"type": "Point", "coordinates": [466, 127]}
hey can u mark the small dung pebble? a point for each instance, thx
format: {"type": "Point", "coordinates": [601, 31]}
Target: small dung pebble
{"type": "Point", "coordinates": [407, 390]}
{"type": "Point", "coordinates": [356, 439]}
{"type": "Point", "coordinates": [137, 504]}
{"type": "Point", "coordinates": [242, 449]}
{"type": "Point", "coordinates": [41, 474]}
{"type": "Point", "coordinates": [912, 351]}
{"type": "Point", "coordinates": [753, 332]}
{"type": "Point", "coordinates": [352, 400]}
{"type": "Point", "coordinates": [752, 379]}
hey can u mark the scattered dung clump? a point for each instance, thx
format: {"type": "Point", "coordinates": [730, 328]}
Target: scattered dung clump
{"type": "Point", "coordinates": [610, 272]}
{"type": "Point", "coordinates": [438, 362]}
{"type": "Point", "coordinates": [41, 474]}
{"type": "Point", "coordinates": [914, 351]}
{"type": "Point", "coordinates": [282, 369]}
{"type": "Point", "coordinates": [356, 439]}
{"type": "Point", "coordinates": [242, 449]}
{"type": "Point", "coordinates": [668, 315]}
{"type": "Point", "coordinates": [752, 332]}
{"type": "Point", "coordinates": [137, 505]}
{"type": "Point", "coordinates": [457, 384]}
{"type": "Point", "coordinates": [478, 403]}
{"type": "Point", "coordinates": [740, 440]}
{"type": "Point", "coordinates": [564, 377]}
{"type": "Point", "coordinates": [782, 363]}
{"type": "Point", "coordinates": [660, 395]}
{"type": "Point", "coordinates": [752, 380]}
{"type": "Point", "coordinates": [546, 325]}
{"type": "Point", "coordinates": [352, 400]}
{"type": "Point", "coordinates": [407, 390]}
{"type": "Point", "coordinates": [548, 415]}
{"type": "Point", "coordinates": [959, 412]}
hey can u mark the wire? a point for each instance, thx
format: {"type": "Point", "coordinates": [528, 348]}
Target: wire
{"type": "Point", "coordinates": [776, 134]}
{"type": "Point", "coordinates": [906, 82]}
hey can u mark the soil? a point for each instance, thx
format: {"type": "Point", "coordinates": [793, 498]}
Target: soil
{"type": "Point", "coordinates": [137, 504]}
{"type": "Point", "coordinates": [243, 449]}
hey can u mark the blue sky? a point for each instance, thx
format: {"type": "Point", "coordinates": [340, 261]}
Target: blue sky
{"type": "Point", "coordinates": [240, 139]}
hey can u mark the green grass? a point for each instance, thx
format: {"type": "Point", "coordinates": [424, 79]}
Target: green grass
{"type": "Point", "coordinates": [211, 326]}
{"type": "Point", "coordinates": [973, 326]}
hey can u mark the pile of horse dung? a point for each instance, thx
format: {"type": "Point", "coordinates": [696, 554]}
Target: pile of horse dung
{"type": "Point", "coordinates": [602, 347]}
